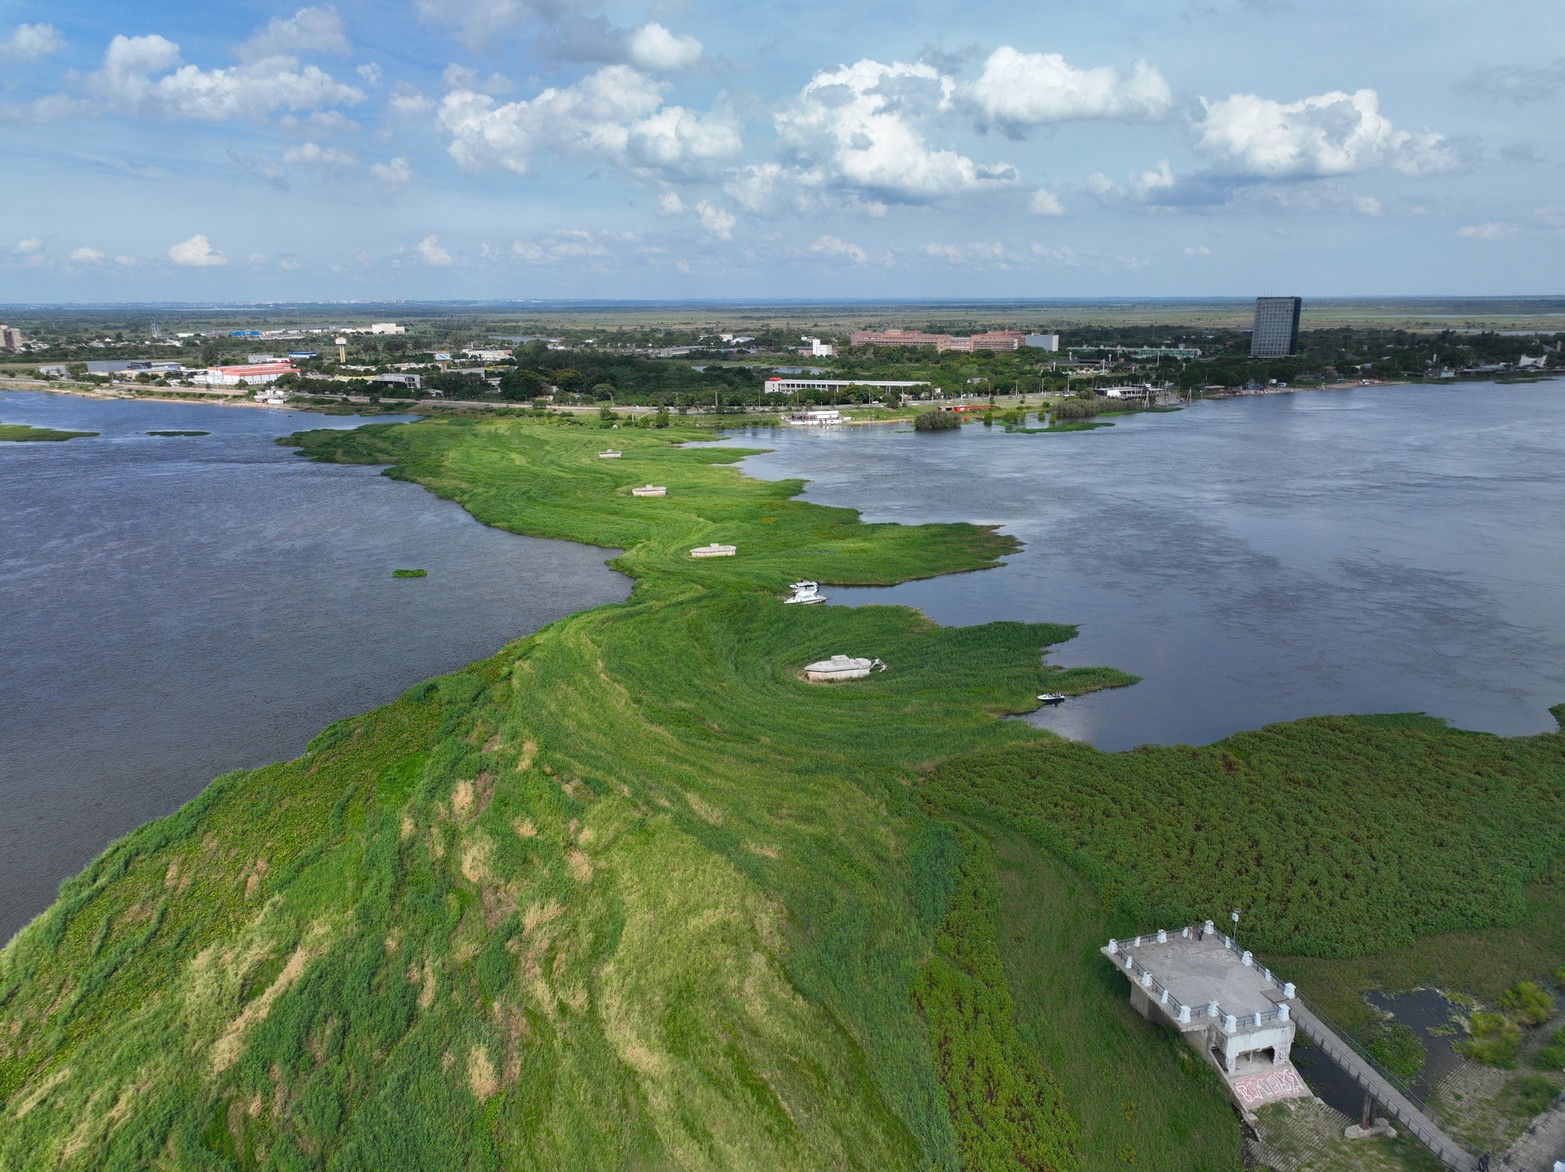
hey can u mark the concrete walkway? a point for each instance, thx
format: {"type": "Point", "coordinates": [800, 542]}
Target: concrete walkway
{"type": "Point", "coordinates": [1397, 1105]}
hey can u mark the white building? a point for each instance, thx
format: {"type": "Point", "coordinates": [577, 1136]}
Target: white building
{"type": "Point", "coordinates": [819, 349]}
{"type": "Point", "coordinates": [255, 374]}
{"type": "Point", "coordinates": [387, 327]}
{"type": "Point", "coordinates": [777, 385]}
{"type": "Point", "coordinates": [1042, 341]}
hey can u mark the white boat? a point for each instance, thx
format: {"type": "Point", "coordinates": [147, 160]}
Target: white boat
{"type": "Point", "coordinates": [841, 667]}
{"type": "Point", "coordinates": [1051, 698]}
{"type": "Point", "coordinates": [805, 592]}
{"type": "Point", "coordinates": [714, 551]}
{"type": "Point", "coordinates": [609, 454]}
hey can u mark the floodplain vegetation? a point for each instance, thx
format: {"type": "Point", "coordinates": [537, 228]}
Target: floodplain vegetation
{"type": "Point", "coordinates": [630, 893]}
{"type": "Point", "coordinates": [21, 433]}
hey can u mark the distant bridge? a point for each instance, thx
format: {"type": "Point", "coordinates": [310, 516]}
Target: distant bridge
{"type": "Point", "coordinates": [1400, 1105]}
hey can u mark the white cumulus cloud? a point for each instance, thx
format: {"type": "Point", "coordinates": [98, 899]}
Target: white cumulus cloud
{"type": "Point", "coordinates": [1017, 90]}
{"type": "Point", "coordinates": [1329, 134]}
{"type": "Point", "coordinates": [87, 256]}
{"type": "Point", "coordinates": [128, 83]}
{"type": "Point", "coordinates": [836, 246]}
{"type": "Point", "coordinates": [310, 30]}
{"type": "Point", "coordinates": [1141, 187]}
{"type": "Point", "coordinates": [1045, 203]}
{"type": "Point", "coordinates": [860, 128]}
{"type": "Point", "coordinates": [654, 47]}
{"type": "Point", "coordinates": [393, 174]}
{"type": "Point", "coordinates": [429, 248]}
{"type": "Point", "coordinates": [615, 113]}
{"type": "Point", "coordinates": [314, 154]}
{"type": "Point", "coordinates": [28, 245]}
{"type": "Point", "coordinates": [28, 42]}
{"type": "Point", "coordinates": [197, 252]}
{"type": "Point", "coordinates": [718, 221]}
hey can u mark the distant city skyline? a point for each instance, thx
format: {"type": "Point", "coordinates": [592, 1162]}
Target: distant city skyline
{"type": "Point", "coordinates": [563, 149]}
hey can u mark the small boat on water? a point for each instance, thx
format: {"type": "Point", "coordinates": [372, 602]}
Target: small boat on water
{"type": "Point", "coordinates": [1051, 698]}
{"type": "Point", "coordinates": [841, 667]}
{"type": "Point", "coordinates": [805, 592]}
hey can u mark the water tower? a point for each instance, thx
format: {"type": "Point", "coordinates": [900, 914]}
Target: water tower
{"type": "Point", "coordinates": [342, 349]}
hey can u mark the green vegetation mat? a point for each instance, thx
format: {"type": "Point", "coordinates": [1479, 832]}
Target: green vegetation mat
{"type": "Point", "coordinates": [410, 573]}
{"type": "Point", "coordinates": [631, 893]}
{"type": "Point", "coordinates": [171, 433]}
{"type": "Point", "coordinates": [20, 433]}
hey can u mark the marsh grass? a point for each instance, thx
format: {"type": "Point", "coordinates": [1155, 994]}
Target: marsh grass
{"type": "Point", "coordinates": [631, 894]}
{"type": "Point", "coordinates": [21, 433]}
{"type": "Point", "coordinates": [626, 893]}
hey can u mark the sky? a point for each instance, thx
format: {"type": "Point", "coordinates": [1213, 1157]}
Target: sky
{"type": "Point", "coordinates": [679, 149]}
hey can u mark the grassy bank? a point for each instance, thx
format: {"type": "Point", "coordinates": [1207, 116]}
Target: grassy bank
{"type": "Point", "coordinates": [627, 893]}
{"type": "Point", "coordinates": [630, 893]}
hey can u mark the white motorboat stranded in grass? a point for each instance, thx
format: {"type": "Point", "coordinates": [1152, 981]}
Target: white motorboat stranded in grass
{"type": "Point", "coordinates": [841, 667]}
{"type": "Point", "coordinates": [1051, 698]}
{"type": "Point", "coordinates": [805, 592]}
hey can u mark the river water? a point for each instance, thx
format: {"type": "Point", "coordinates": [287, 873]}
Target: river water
{"type": "Point", "coordinates": [177, 607]}
{"type": "Point", "coordinates": [1385, 549]}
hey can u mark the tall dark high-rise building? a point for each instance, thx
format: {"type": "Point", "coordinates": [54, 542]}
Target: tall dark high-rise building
{"type": "Point", "coordinates": [1276, 332]}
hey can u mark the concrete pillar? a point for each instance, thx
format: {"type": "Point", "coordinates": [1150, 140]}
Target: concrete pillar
{"type": "Point", "coordinates": [1130, 961]}
{"type": "Point", "coordinates": [1184, 1015]}
{"type": "Point", "coordinates": [1146, 979]}
{"type": "Point", "coordinates": [1208, 927]}
{"type": "Point", "coordinates": [1162, 936]}
{"type": "Point", "coordinates": [1186, 932]}
{"type": "Point", "coordinates": [1163, 999]}
{"type": "Point", "coordinates": [1282, 1012]}
{"type": "Point", "coordinates": [1113, 947]}
{"type": "Point", "coordinates": [1229, 1023]}
{"type": "Point", "coordinates": [1247, 958]}
{"type": "Point", "coordinates": [1287, 990]}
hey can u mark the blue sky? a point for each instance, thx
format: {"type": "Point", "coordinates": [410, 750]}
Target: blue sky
{"type": "Point", "coordinates": [683, 148]}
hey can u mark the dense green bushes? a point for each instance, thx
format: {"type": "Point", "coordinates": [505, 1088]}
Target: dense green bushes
{"type": "Point", "coordinates": [1338, 836]}
{"type": "Point", "coordinates": [936, 421]}
{"type": "Point", "coordinates": [1007, 1109]}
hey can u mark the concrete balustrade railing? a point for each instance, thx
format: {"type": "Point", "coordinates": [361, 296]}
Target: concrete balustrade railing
{"type": "Point", "coordinates": [1229, 1023]}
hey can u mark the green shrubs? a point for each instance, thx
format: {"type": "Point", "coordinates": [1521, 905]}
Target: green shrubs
{"type": "Point", "coordinates": [1397, 1049]}
{"type": "Point", "coordinates": [1528, 1001]}
{"type": "Point", "coordinates": [1491, 1039]}
{"type": "Point", "coordinates": [1551, 1056]}
{"type": "Point", "coordinates": [409, 573]}
{"type": "Point", "coordinates": [1345, 836]}
{"type": "Point", "coordinates": [936, 421]}
{"type": "Point", "coordinates": [1528, 1095]}
{"type": "Point", "coordinates": [1007, 1110]}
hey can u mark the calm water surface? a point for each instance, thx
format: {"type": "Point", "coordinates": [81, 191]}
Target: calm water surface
{"type": "Point", "coordinates": [1253, 560]}
{"type": "Point", "coordinates": [177, 607]}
